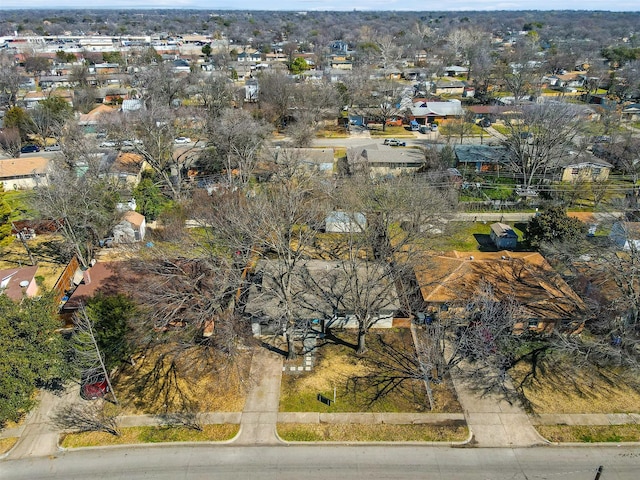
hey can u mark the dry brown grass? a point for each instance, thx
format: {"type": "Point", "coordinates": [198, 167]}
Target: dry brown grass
{"type": "Point", "coordinates": [133, 435]}
{"type": "Point", "coordinates": [7, 444]}
{"type": "Point", "coordinates": [338, 366]}
{"type": "Point", "coordinates": [158, 387]}
{"type": "Point", "coordinates": [563, 388]}
{"type": "Point", "coordinates": [297, 432]}
{"type": "Point", "coordinates": [590, 433]}
{"type": "Point", "coordinates": [43, 248]}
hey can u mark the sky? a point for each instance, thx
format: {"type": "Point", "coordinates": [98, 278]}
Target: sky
{"type": "Point", "coordinates": [333, 5]}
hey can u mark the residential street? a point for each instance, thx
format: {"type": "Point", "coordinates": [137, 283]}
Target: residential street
{"type": "Point", "coordinates": [323, 462]}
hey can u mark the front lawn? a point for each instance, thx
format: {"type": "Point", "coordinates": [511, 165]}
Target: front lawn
{"type": "Point", "coordinates": [562, 387]}
{"type": "Point", "coordinates": [590, 433]}
{"type": "Point", "coordinates": [381, 380]}
{"type": "Point", "coordinates": [296, 432]}
{"type": "Point", "coordinates": [161, 383]}
{"type": "Point", "coordinates": [147, 434]}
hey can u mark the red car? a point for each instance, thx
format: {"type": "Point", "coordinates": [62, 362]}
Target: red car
{"type": "Point", "coordinates": [93, 386]}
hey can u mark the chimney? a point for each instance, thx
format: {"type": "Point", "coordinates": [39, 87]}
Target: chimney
{"type": "Point", "coordinates": [86, 276]}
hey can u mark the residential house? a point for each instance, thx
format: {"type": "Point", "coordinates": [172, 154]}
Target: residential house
{"type": "Point", "coordinates": [345, 222]}
{"type": "Point", "coordinates": [316, 303]}
{"type": "Point", "coordinates": [503, 236]}
{"type": "Point", "coordinates": [631, 112]}
{"type": "Point", "coordinates": [449, 87]}
{"type": "Point", "coordinates": [625, 235]}
{"type": "Point", "coordinates": [17, 283]}
{"type": "Point", "coordinates": [383, 160]}
{"type": "Point", "coordinates": [426, 112]}
{"type": "Point", "coordinates": [131, 228]}
{"type": "Point", "coordinates": [455, 71]}
{"type": "Point", "coordinates": [108, 278]}
{"type": "Point", "coordinates": [126, 168]}
{"type": "Point", "coordinates": [31, 99]}
{"type": "Point", "coordinates": [90, 121]}
{"type": "Point", "coordinates": [23, 173]}
{"type": "Point", "coordinates": [312, 159]}
{"type": "Point", "coordinates": [584, 167]}
{"type": "Point", "coordinates": [481, 158]}
{"type": "Point", "coordinates": [251, 57]}
{"type": "Point", "coordinates": [449, 281]}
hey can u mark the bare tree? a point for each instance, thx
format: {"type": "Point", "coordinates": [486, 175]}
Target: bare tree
{"type": "Point", "coordinates": [275, 96]}
{"type": "Point", "coordinates": [86, 418]}
{"type": "Point", "coordinates": [10, 142]}
{"type": "Point", "coordinates": [238, 139]}
{"type": "Point", "coordinates": [519, 69]}
{"type": "Point", "coordinates": [83, 208]}
{"type": "Point", "coordinates": [374, 256]}
{"type": "Point", "coordinates": [10, 79]}
{"type": "Point", "coordinates": [537, 137]}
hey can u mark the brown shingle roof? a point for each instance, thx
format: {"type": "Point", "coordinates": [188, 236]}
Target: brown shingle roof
{"type": "Point", "coordinates": [16, 167]}
{"type": "Point", "coordinates": [454, 277]}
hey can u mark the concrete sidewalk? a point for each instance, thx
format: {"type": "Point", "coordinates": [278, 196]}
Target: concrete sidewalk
{"type": "Point", "coordinates": [260, 414]}
{"type": "Point", "coordinates": [494, 422]}
{"type": "Point", "coordinates": [586, 419]}
{"type": "Point", "coordinates": [39, 437]}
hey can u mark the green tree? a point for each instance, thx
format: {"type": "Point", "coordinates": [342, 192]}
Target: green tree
{"type": "Point", "coordinates": [206, 50]}
{"type": "Point", "coordinates": [5, 219]}
{"type": "Point", "coordinates": [111, 316]}
{"type": "Point", "coordinates": [149, 198]}
{"type": "Point", "coordinates": [298, 66]}
{"type": "Point", "coordinates": [32, 352]}
{"type": "Point", "coordinates": [17, 117]}
{"type": "Point", "coordinates": [113, 57]}
{"type": "Point", "coordinates": [553, 225]}
{"type": "Point", "coordinates": [65, 57]}
{"type": "Point", "coordinates": [50, 115]}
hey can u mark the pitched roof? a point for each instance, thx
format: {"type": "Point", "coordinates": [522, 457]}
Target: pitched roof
{"type": "Point", "coordinates": [503, 230]}
{"type": "Point", "coordinates": [23, 167]}
{"type": "Point", "coordinates": [134, 218]}
{"type": "Point", "coordinates": [93, 115]}
{"type": "Point", "coordinates": [13, 278]}
{"type": "Point", "coordinates": [454, 277]}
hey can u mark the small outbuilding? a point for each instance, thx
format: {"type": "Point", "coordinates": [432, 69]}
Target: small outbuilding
{"type": "Point", "coordinates": [131, 229]}
{"type": "Point", "coordinates": [503, 236]}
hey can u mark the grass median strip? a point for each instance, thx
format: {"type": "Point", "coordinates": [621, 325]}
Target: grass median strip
{"type": "Point", "coordinates": [590, 433]}
{"type": "Point", "coordinates": [132, 435]}
{"type": "Point", "coordinates": [299, 432]}
{"type": "Point", "coordinates": [7, 444]}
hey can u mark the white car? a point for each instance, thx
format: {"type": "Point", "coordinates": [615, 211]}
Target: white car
{"type": "Point", "coordinates": [108, 144]}
{"type": "Point", "coordinates": [182, 140]}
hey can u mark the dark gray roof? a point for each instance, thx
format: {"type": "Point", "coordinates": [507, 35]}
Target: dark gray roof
{"type": "Point", "coordinates": [480, 153]}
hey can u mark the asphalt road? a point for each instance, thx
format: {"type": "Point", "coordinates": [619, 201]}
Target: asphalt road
{"type": "Point", "coordinates": [330, 462]}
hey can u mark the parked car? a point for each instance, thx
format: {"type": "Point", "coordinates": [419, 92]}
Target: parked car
{"type": "Point", "coordinates": [182, 140]}
{"type": "Point", "coordinates": [52, 148]}
{"type": "Point", "coordinates": [108, 144]}
{"type": "Point", "coordinates": [433, 127]}
{"type": "Point", "coordinates": [484, 122]}
{"type": "Point", "coordinates": [30, 148]}
{"type": "Point", "coordinates": [93, 385]}
{"type": "Point", "coordinates": [392, 142]}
